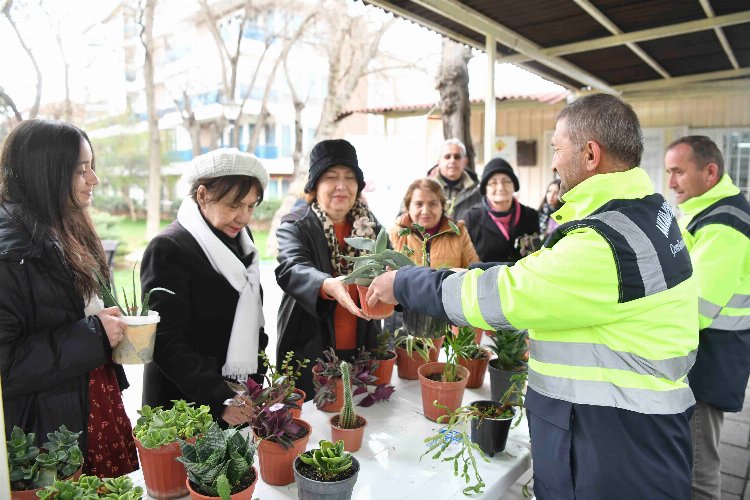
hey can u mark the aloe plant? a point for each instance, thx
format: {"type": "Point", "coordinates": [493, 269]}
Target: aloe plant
{"type": "Point", "coordinates": [131, 306]}
{"type": "Point", "coordinates": [219, 461]}
{"type": "Point", "coordinates": [378, 256]}
{"type": "Point", "coordinates": [329, 460]}
{"type": "Point", "coordinates": [511, 348]}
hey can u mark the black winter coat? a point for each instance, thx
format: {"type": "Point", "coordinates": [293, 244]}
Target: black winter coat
{"type": "Point", "coordinates": [47, 346]}
{"type": "Point", "coordinates": [490, 244]}
{"type": "Point", "coordinates": [305, 321]}
{"type": "Point", "coordinates": [196, 323]}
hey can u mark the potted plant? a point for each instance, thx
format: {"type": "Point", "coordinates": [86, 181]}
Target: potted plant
{"type": "Point", "coordinates": [326, 472]}
{"type": "Point", "coordinates": [156, 433]}
{"type": "Point", "coordinates": [347, 426]}
{"type": "Point", "coordinates": [511, 349]}
{"type": "Point", "coordinates": [443, 384]}
{"type": "Point", "coordinates": [411, 353]}
{"type": "Point", "coordinates": [418, 324]}
{"type": "Point", "coordinates": [219, 464]}
{"type": "Point", "coordinates": [283, 438]}
{"type": "Point", "coordinates": [283, 380]}
{"type": "Point", "coordinates": [31, 469]}
{"type": "Point", "coordinates": [484, 415]}
{"type": "Point", "coordinates": [329, 389]}
{"type": "Point", "coordinates": [89, 487]}
{"type": "Point", "coordinates": [386, 359]}
{"type": "Point", "coordinates": [137, 345]}
{"type": "Point", "coordinates": [377, 256]}
{"type": "Point", "coordinates": [471, 355]}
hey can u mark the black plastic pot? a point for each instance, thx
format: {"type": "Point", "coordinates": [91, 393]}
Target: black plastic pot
{"type": "Point", "coordinates": [490, 434]}
{"type": "Point", "coordinates": [500, 382]}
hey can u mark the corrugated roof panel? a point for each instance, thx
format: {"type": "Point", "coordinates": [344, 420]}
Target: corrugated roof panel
{"type": "Point", "coordinates": [689, 54]}
{"type": "Point", "coordinates": [631, 15]}
{"type": "Point", "coordinates": [739, 38]}
{"type": "Point", "coordinates": [614, 65]}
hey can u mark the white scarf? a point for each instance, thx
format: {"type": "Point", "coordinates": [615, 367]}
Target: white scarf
{"type": "Point", "coordinates": [242, 353]}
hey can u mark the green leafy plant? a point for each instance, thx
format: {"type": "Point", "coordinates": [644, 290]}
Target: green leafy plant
{"type": "Point", "coordinates": [329, 460]}
{"type": "Point", "coordinates": [411, 344]}
{"type": "Point", "coordinates": [329, 371]}
{"type": "Point", "coordinates": [91, 488]}
{"type": "Point", "coordinates": [131, 307]}
{"type": "Point", "coordinates": [511, 348]}
{"type": "Point", "coordinates": [289, 371]}
{"type": "Point", "coordinates": [156, 426]}
{"type": "Point", "coordinates": [377, 257]}
{"type": "Point", "coordinates": [425, 237]}
{"type": "Point", "coordinates": [456, 430]}
{"type": "Point", "coordinates": [30, 467]}
{"type": "Point", "coordinates": [465, 345]}
{"type": "Point", "coordinates": [219, 462]}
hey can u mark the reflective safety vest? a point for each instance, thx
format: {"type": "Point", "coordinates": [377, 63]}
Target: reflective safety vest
{"type": "Point", "coordinates": [716, 228]}
{"type": "Point", "coordinates": [609, 301]}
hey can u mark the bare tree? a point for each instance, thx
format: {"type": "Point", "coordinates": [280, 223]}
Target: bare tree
{"type": "Point", "coordinates": [190, 122]}
{"type": "Point", "coordinates": [453, 85]}
{"type": "Point", "coordinates": [153, 206]}
{"type": "Point", "coordinates": [7, 7]}
{"type": "Point", "coordinates": [7, 102]}
{"type": "Point", "coordinates": [67, 108]}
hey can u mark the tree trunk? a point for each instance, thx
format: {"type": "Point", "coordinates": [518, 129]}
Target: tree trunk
{"type": "Point", "coordinates": [453, 85]}
{"type": "Point", "coordinates": [153, 206]}
{"type": "Point", "coordinates": [8, 100]}
{"type": "Point", "coordinates": [38, 98]}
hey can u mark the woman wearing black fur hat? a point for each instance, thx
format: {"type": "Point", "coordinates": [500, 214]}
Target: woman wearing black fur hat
{"type": "Point", "coordinates": [496, 223]}
{"type": "Point", "coordinates": [318, 310]}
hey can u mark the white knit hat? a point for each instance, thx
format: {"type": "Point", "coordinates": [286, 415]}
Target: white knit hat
{"type": "Point", "coordinates": [226, 161]}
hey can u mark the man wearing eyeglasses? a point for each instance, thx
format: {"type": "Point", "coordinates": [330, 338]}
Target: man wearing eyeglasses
{"type": "Point", "coordinates": [461, 186]}
{"type": "Point", "coordinates": [611, 308]}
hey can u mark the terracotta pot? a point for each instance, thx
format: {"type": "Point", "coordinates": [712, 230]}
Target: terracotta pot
{"type": "Point", "coordinates": [137, 345]}
{"type": "Point", "coordinates": [163, 474]}
{"type": "Point", "coordinates": [435, 353]}
{"type": "Point", "coordinates": [277, 462]}
{"type": "Point", "coordinates": [352, 437]}
{"type": "Point", "coordinates": [31, 494]}
{"type": "Point", "coordinates": [384, 371]}
{"type": "Point", "coordinates": [449, 394]}
{"type": "Point", "coordinates": [338, 389]}
{"type": "Point", "coordinates": [297, 412]}
{"type": "Point", "coordinates": [381, 309]}
{"type": "Point", "coordinates": [408, 365]}
{"type": "Point", "coordinates": [477, 369]}
{"type": "Point", "coordinates": [246, 494]}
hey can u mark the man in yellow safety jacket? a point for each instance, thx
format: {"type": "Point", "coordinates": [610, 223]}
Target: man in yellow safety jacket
{"type": "Point", "coordinates": [611, 309]}
{"type": "Point", "coordinates": [716, 228]}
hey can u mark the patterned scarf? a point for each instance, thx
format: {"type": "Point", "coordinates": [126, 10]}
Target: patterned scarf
{"type": "Point", "coordinates": [363, 226]}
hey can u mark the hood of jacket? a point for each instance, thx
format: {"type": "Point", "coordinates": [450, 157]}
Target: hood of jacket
{"type": "Point", "coordinates": [16, 231]}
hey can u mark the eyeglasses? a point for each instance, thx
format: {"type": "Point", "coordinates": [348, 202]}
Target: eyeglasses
{"type": "Point", "coordinates": [456, 156]}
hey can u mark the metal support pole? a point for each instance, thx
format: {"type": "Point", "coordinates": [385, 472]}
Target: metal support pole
{"type": "Point", "coordinates": [490, 109]}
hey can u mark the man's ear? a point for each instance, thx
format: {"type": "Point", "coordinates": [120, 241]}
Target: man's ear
{"type": "Point", "coordinates": [592, 152]}
{"type": "Point", "coordinates": [712, 174]}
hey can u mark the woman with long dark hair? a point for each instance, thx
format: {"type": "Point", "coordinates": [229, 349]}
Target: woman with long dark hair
{"type": "Point", "coordinates": [56, 337]}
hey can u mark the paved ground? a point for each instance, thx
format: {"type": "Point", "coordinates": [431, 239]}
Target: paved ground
{"type": "Point", "coordinates": [735, 440]}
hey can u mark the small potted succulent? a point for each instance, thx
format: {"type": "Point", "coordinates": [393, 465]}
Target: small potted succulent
{"type": "Point", "coordinates": [89, 487]}
{"type": "Point", "coordinates": [411, 353]}
{"type": "Point", "coordinates": [137, 345]}
{"type": "Point", "coordinates": [326, 472]}
{"type": "Point", "coordinates": [156, 433]}
{"type": "Point", "coordinates": [347, 425]}
{"type": "Point", "coordinates": [372, 264]}
{"type": "Point", "coordinates": [31, 469]}
{"type": "Point", "coordinates": [471, 355]}
{"type": "Point", "coordinates": [219, 464]}
{"type": "Point", "coordinates": [512, 350]}
{"type": "Point", "coordinates": [443, 384]}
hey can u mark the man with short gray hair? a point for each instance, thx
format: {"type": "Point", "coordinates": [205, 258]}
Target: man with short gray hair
{"type": "Point", "coordinates": [461, 186]}
{"type": "Point", "coordinates": [716, 231]}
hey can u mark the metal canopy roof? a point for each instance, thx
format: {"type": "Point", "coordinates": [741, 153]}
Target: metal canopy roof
{"type": "Point", "coordinates": [610, 45]}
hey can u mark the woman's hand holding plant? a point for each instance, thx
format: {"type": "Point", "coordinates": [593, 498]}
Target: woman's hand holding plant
{"type": "Point", "coordinates": [336, 289]}
{"type": "Point", "coordinates": [113, 325]}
